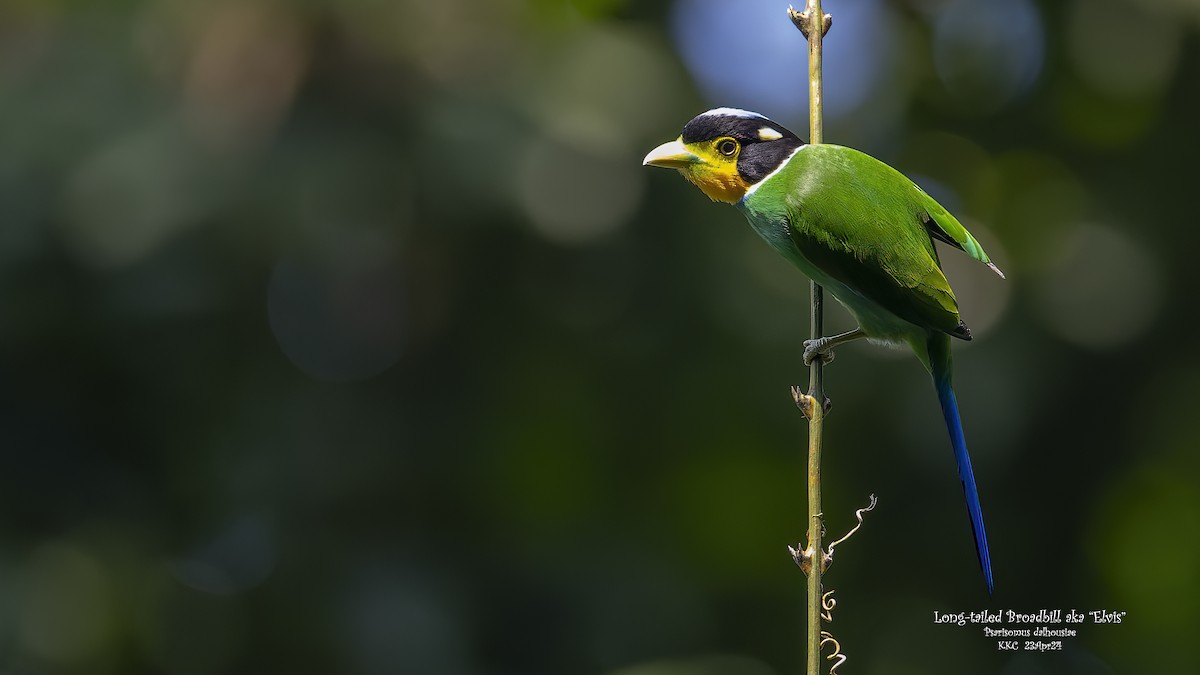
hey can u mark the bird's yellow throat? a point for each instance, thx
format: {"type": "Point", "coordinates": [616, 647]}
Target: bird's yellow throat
{"type": "Point", "coordinates": [721, 183]}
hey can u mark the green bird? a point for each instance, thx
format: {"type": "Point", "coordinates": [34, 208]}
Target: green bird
{"type": "Point", "coordinates": [857, 227]}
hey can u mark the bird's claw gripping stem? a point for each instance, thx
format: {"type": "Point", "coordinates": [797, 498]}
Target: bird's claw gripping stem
{"type": "Point", "coordinates": [818, 348]}
{"type": "Point", "coordinates": [822, 347]}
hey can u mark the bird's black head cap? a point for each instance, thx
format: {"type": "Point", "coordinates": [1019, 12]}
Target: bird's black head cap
{"type": "Point", "coordinates": [764, 144]}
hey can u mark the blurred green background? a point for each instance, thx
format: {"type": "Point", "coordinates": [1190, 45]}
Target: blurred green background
{"type": "Point", "coordinates": [350, 336]}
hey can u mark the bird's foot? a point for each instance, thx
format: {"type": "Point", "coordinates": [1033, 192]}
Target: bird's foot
{"type": "Point", "coordinates": [817, 348]}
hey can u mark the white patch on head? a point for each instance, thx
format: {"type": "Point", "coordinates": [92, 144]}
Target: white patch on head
{"type": "Point", "coordinates": [732, 112]}
{"type": "Point", "coordinates": [769, 134]}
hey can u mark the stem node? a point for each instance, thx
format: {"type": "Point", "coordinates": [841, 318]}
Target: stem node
{"type": "Point", "coordinates": [805, 402]}
{"type": "Point", "coordinates": [804, 23]}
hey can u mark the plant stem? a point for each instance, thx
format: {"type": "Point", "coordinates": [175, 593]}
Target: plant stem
{"type": "Point", "coordinates": [816, 373]}
{"type": "Point", "coordinates": [815, 427]}
{"type": "Point", "coordinates": [813, 23]}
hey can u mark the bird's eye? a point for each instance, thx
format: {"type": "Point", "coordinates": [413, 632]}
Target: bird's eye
{"type": "Point", "coordinates": [727, 147]}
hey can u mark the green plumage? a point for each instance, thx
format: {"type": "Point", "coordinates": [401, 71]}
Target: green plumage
{"type": "Point", "coordinates": [863, 230]}
{"type": "Point", "coordinates": [857, 227]}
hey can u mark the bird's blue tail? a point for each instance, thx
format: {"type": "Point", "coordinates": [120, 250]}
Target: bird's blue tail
{"type": "Point", "coordinates": [941, 368]}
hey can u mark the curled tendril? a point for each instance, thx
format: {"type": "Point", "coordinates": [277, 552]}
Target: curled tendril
{"type": "Point", "coordinates": [859, 515]}
{"type": "Point", "coordinates": [827, 637]}
{"type": "Point", "coordinates": [827, 604]}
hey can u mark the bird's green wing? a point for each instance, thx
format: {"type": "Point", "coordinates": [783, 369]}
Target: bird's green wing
{"type": "Point", "coordinates": [946, 228]}
{"type": "Point", "coordinates": [893, 274]}
{"type": "Point", "coordinates": [862, 223]}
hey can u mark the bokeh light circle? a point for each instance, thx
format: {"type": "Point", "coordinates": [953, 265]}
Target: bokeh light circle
{"type": "Point", "coordinates": [1105, 293]}
{"type": "Point", "coordinates": [1141, 62]}
{"type": "Point", "coordinates": [338, 319]}
{"type": "Point", "coordinates": [987, 53]}
{"type": "Point", "coordinates": [575, 196]}
{"type": "Point", "coordinates": [748, 55]}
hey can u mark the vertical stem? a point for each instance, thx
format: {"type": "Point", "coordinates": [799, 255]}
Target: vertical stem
{"type": "Point", "coordinates": [816, 373]}
{"type": "Point", "coordinates": [812, 23]}
{"type": "Point", "coordinates": [815, 545]}
{"type": "Point", "coordinates": [815, 35]}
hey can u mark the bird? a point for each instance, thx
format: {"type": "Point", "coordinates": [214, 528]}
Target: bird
{"type": "Point", "coordinates": [857, 227]}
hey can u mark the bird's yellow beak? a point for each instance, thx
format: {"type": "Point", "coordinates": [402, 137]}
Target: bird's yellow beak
{"type": "Point", "coordinates": [671, 155]}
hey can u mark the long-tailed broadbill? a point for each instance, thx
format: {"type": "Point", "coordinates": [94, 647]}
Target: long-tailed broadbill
{"type": "Point", "coordinates": [857, 227]}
